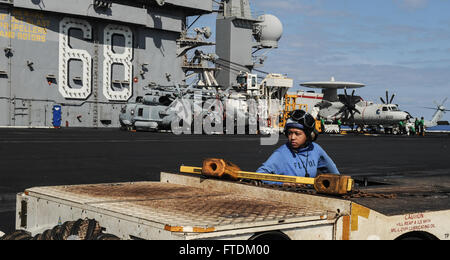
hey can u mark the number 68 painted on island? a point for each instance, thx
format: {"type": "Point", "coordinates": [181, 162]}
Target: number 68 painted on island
{"type": "Point", "coordinates": [67, 53]}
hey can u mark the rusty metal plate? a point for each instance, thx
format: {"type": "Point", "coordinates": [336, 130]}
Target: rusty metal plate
{"type": "Point", "coordinates": [213, 211]}
{"type": "Point", "coordinates": [181, 206]}
{"type": "Point", "coordinates": [100, 193]}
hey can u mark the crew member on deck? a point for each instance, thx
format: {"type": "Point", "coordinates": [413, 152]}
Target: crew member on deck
{"type": "Point", "coordinates": [301, 156]}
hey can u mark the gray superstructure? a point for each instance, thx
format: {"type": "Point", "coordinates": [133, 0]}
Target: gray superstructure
{"type": "Point", "coordinates": [242, 34]}
{"type": "Point", "coordinates": [90, 57]}
{"type": "Point", "coordinates": [83, 63]}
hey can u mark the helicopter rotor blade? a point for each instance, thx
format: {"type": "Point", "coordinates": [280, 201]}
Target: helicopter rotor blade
{"type": "Point", "coordinates": [382, 100]}
{"type": "Point", "coordinates": [387, 97]}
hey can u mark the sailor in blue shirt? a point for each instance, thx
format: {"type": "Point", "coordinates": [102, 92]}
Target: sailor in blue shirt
{"type": "Point", "coordinates": [301, 156]}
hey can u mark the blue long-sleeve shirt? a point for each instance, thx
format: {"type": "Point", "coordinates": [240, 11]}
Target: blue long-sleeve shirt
{"type": "Point", "coordinates": [286, 161]}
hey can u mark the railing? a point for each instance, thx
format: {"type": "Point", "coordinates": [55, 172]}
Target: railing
{"type": "Point", "coordinates": [238, 12]}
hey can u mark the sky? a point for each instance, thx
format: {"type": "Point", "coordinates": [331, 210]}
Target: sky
{"type": "Point", "coordinates": [402, 46]}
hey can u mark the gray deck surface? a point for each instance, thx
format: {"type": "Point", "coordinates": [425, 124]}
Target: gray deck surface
{"type": "Point", "coordinates": [417, 168]}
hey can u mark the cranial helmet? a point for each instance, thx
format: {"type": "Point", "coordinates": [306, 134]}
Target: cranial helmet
{"type": "Point", "coordinates": [302, 120]}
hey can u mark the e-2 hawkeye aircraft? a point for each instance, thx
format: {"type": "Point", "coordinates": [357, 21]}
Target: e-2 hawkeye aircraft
{"type": "Point", "coordinates": [353, 110]}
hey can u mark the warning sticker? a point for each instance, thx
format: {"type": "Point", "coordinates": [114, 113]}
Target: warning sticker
{"type": "Point", "coordinates": [413, 222]}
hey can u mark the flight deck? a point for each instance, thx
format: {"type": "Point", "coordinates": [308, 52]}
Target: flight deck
{"type": "Point", "coordinates": [405, 168]}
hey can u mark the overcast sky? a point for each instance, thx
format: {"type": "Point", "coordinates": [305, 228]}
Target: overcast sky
{"type": "Point", "coordinates": [398, 45]}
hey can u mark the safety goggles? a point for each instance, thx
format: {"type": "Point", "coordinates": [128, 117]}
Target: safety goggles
{"type": "Point", "coordinates": [303, 118]}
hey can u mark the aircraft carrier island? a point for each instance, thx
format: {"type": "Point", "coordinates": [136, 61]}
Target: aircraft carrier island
{"type": "Point", "coordinates": [79, 63]}
{"type": "Point", "coordinates": [82, 60]}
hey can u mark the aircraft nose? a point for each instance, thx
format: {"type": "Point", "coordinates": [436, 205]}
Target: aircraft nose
{"type": "Point", "coordinates": [408, 116]}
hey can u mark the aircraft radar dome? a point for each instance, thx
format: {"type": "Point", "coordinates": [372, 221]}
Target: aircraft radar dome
{"type": "Point", "coordinates": [269, 31]}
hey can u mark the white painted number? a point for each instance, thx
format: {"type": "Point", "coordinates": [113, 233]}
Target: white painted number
{"type": "Point", "coordinates": [125, 86]}
{"type": "Point", "coordinates": [123, 89]}
{"type": "Point", "coordinates": [67, 54]}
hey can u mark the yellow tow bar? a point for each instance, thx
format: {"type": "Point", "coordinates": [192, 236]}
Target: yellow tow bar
{"type": "Point", "coordinates": [325, 183]}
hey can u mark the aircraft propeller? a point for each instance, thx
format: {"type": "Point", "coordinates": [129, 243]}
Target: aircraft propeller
{"type": "Point", "coordinates": [388, 101]}
{"type": "Point", "coordinates": [349, 109]}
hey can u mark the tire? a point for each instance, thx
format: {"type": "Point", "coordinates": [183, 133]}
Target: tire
{"type": "Point", "coordinates": [270, 236]}
{"type": "Point", "coordinates": [17, 235]}
{"type": "Point", "coordinates": [87, 229]}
